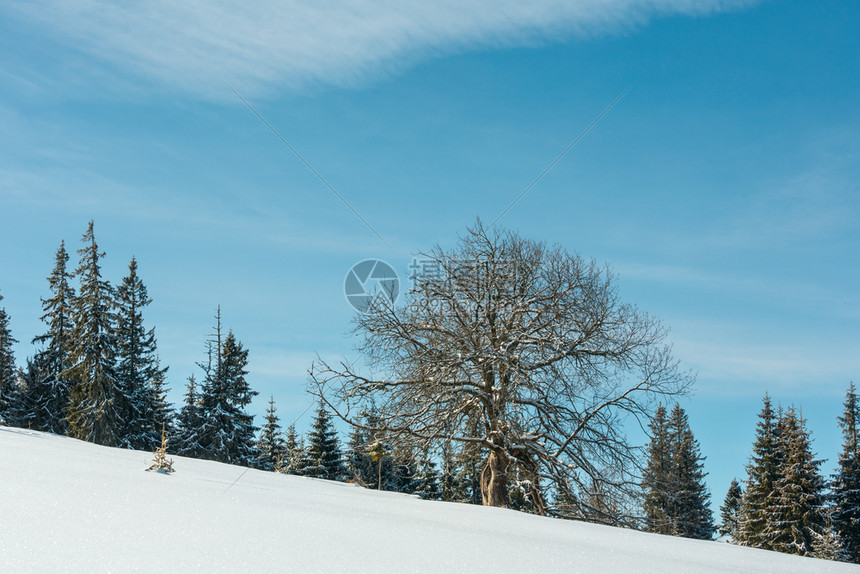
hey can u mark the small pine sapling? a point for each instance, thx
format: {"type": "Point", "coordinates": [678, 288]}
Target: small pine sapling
{"type": "Point", "coordinates": [161, 463]}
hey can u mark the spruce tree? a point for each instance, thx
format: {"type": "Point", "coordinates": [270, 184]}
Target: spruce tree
{"type": "Point", "coordinates": [471, 462]}
{"type": "Point", "coordinates": [796, 520]}
{"type": "Point", "coordinates": [730, 511]}
{"type": "Point", "coordinates": [404, 476]}
{"type": "Point", "coordinates": [691, 510]}
{"type": "Point", "coordinates": [189, 422]}
{"type": "Point", "coordinates": [161, 411]}
{"type": "Point", "coordinates": [324, 458]}
{"type": "Point", "coordinates": [139, 377]}
{"type": "Point", "coordinates": [370, 459]}
{"type": "Point", "coordinates": [676, 497]}
{"type": "Point", "coordinates": [228, 431]}
{"type": "Point", "coordinates": [846, 482]}
{"type": "Point", "coordinates": [359, 463]}
{"type": "Point", "coordinates": [762, 474]}
{"type": "Point", "coordinates": [10, 396]}
{"type": "Point", "coordinates": [831, 545]}
{"type": "Point", "coordinates": [295, 459]}
{"type": "Point", "coordinates": [427, 477]}
{"type": "Point", "coordinates": [449, 486]}
{"type": "Point", "coordinates": [96, 405]}
{"type": "Point", "coordinates": [49, 393]}
{"type": "Point", "coordinates": [271, 449]}
{"type": "Point", "coordinates": [22, 411]}
{"type": "Point", "coordinates": [657, 477]}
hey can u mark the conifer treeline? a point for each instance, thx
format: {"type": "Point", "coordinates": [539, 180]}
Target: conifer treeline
{"type": "Point", "coordinates": [96, 376]}
{"type": "Point", "coordinates": [367, 460]}
{"type": "Point", "coordinates": [96, 373]}
{"type": "Point", "coordinates": [786, 505]}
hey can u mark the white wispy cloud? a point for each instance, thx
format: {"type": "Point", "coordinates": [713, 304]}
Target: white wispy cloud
{"type": "Point", "coordinates": [749, 366]}
{"type": "Point", "coordinates": [196, 45]}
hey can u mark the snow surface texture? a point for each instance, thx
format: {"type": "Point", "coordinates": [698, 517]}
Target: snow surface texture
{"type": "Point", "coordinates": [71, 506]}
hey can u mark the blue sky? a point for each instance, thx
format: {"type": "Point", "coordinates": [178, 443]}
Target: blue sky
{"type": "Point", "coordinates": [723, 188]}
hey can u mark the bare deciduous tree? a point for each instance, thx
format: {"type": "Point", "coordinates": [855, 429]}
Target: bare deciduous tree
{"type": "Point", "coordinates": [532, 344]}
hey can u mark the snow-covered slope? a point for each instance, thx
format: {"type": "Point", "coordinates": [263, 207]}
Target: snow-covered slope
{"type": "Point", "coordinates": [70, 506]}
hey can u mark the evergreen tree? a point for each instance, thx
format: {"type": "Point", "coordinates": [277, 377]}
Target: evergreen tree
{"type": "Point", "coordinates": [189, 423]}
{"type": "Point", "coordinates": [427, 477]}
{"type": "Point", "coordinates": [676, 497]}
{"type": "Point", "coordinates": [658, 476]}
{"type": "Point", "coordinates": [691, 510]}
{"type": "Point", "coordinates": [96, 404]}
{"type": "Point", "coordinates": [324, 458]}
{"type": "Point", "coordinates": [830, 546]}
{"type": "Point", "coordinates": [359, 462]}
{"type": "Point", "coordinates": [161, 412]}
{"type": "Point", "coordinates": [295, 458]}
{"type": "Point", "coordinates": [228, 431]}
{"type": "Point", "coordinates": [730, 510]}
{"type": "Point", "coordinates": [9, 396]}
{"type": "Point", "coordinates": [139, 377]}
{"type": "Point", "coordinates": [49, 389]}
{"type": "Point", "coordinates": [270, 447]}
{"type": "Point", "coordinates": [797, 520]}
{"type": "Point", "coordinates": [22, 411]}
{"type": "Point", "coordinates": [449, 486]}
{"type": "Point", "coordinates": [470, 463]}
{"type": "Point", "coordinates": [370, 459]}
{"type": "Point", "coordinates": [404, 475]}
{"type": "Point", "coordinates": [762, 474]}
{"type": "Point", "coordinates": [524, 490]}
{"type": "Point", "coordinates": [846, 482]}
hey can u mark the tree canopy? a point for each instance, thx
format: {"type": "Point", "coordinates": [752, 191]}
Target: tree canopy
{"type": "Point", "coordinates": [521, 350]}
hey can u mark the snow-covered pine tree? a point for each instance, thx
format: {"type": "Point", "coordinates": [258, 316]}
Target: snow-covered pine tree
{"type": "Point", "coordinates": [427, 477]}
{"type": "Point", "coordinates": [524, 488]}
{"type": "Point", "coordinates": [846, 482]}
{"type": "Point", "coordinates": [96, 404]}
{"type": "Point", "coordinates": [295, 459]}
{"type": "Point", "coordinates": [359, 463]}
{"type": "Point", "coordinates": [22, 410]}
{"type": "Point", "coordinates": [830, 546]}
{"type": "Point", "coordinates": [404, 472]}
{"type": "Point", "coordinates": [370, 459]}
{"type": "Point", "coordinates": [271, 449]}
{"type": "Point", "coordinates": [677, 500]}
{"type": "Point", "coordinates": [228, 431]}
{"type": "Point", "coordinates": [730, 511]}
{"type": "Point", "coordinates": [49, 392]}
{"type": "Point", "coordinates": [160, 462]}
{"type": "Point", "coordinates": [797, 519]}
{"type": "Point", "coordinates": [658, 476]}
{"type": "Point", "coordinates": [762, 474]}
{"type": "Point", "coordinates": [189, 422]}
{"type": "Point", "coordinates": [138, 373]}
{"type": "Point", "coordinates": [471, 463]}
{"type": "Point", "coordinates": [9, 394]}
{"type": "Point", "coordinates": [324, 457]}
{"type": "Point", "coordinates": [691, 508]}
{"type": "Point", "coordinates": [449, 487]}
{"type": "Point", "coordinates": [161, 411]}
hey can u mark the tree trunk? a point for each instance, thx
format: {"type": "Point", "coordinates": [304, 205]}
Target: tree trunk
{"type": "Point", "coordinates": [494, 479]}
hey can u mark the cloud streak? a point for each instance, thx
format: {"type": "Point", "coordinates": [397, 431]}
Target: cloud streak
{"type": "Point", "coordinates": [268, 45]}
